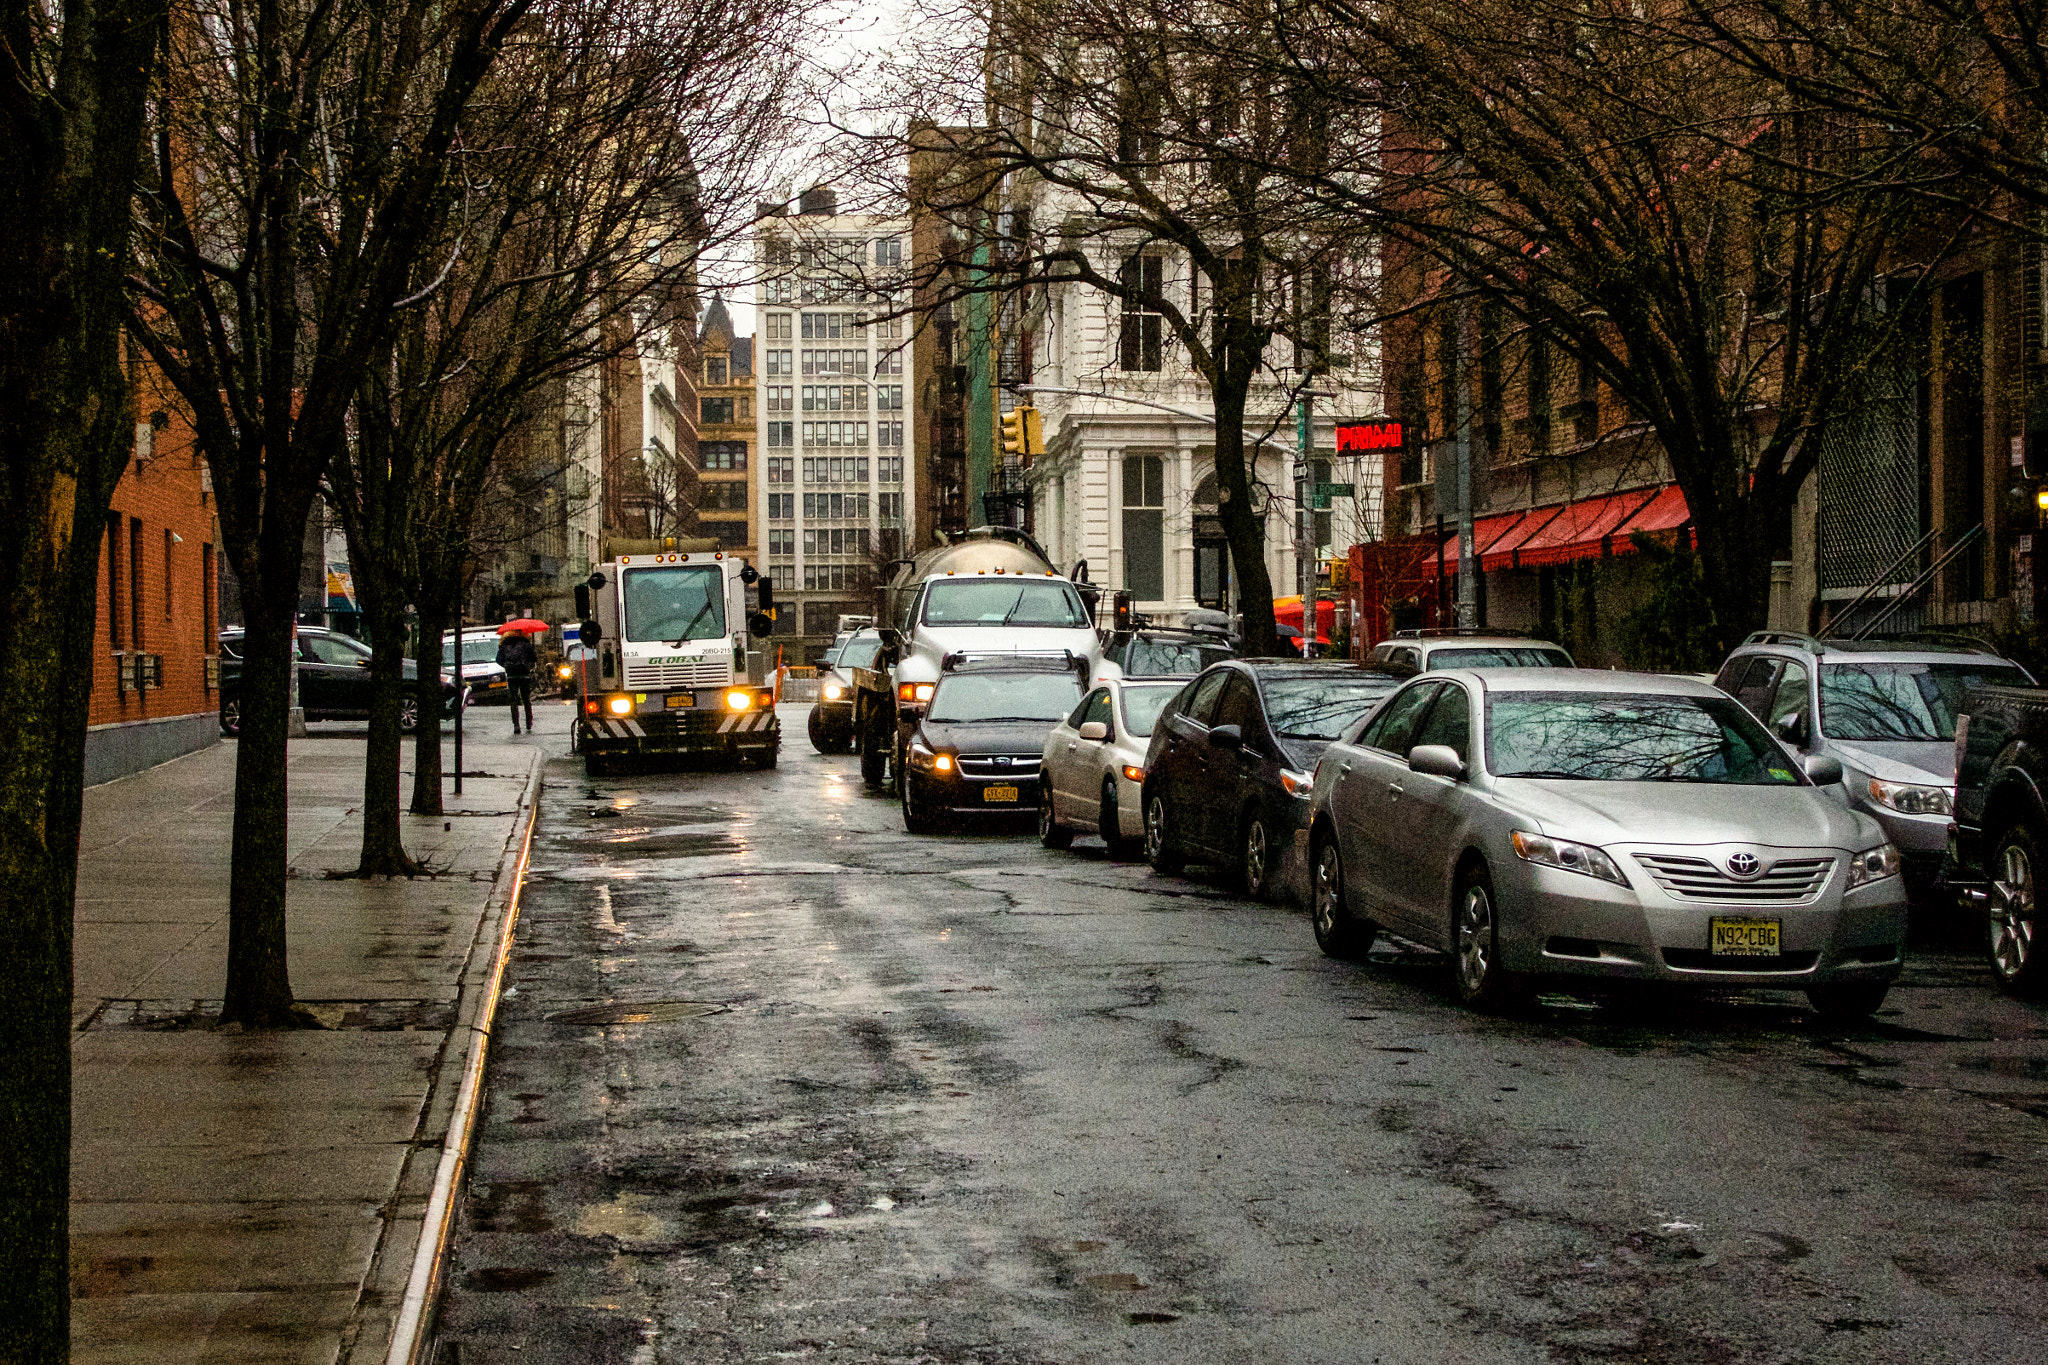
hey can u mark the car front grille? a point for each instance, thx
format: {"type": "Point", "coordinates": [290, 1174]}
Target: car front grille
{"type": "Point", "coordinates": [1789, 881]}
{"type": "Point", "coordinates": [676, 675]}
{"type": "Point", "coordinates": [1017, 765]}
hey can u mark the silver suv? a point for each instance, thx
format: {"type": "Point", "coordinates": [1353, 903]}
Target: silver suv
{"type": "Point", "coordinates": [1886, 710]}
{"type": "Point", "coordinates": [1423, 650]}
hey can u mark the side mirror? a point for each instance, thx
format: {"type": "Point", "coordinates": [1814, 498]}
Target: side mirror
{"type": "Point", "coordinates": [362, 663]}
{"type": "Point", "coordinates": [1226, 737]}
{"type": "Point", "coordinates": [1436, 760]}
{"type": "Point", "coordinates": [892, 638]}
{"type": "Point", "coordinates": [1094, 729]}
{"type": "Point", "coordinates": [760, 625]}
{"type": "Point", "coordinates": [590, 632]}
{"type": "Point", "coordinates": [1822, 770]}
{"type": "Point", "coordinates": [595, 581]}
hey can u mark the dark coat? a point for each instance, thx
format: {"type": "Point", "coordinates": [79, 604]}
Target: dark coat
{"type": "Point", "coordinates": [516, 656]}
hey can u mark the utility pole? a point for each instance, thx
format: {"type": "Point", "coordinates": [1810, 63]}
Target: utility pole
{"type": "Point", "coordinates": [1305, 524]}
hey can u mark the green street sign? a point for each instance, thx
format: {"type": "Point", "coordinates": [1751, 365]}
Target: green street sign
{"type": "Point", "coordinates": [1323, 492]}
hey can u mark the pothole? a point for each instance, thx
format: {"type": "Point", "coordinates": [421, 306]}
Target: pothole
{"type": "Point", "coordinates": [638, 1012]}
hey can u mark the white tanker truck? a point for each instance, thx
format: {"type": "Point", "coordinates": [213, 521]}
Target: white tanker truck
{"type": "Point", "coordinates": [989, 592]}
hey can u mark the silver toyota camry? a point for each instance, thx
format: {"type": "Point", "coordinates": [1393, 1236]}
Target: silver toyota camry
{"type": "Point", "coordinates": [1577, 823]}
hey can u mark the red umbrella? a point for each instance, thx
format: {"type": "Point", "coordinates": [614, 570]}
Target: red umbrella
{"type": "Point", "coordinates": [525, 625]}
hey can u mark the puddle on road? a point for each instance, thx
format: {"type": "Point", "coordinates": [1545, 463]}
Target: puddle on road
{"type": "Point", "coordinates": [638, 1012]}
{"type": "Point", "coordinates": [625, 1219]}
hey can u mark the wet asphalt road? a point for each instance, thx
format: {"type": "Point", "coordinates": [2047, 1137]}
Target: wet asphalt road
{"type": "Point", "coordinates": [960, 1099]}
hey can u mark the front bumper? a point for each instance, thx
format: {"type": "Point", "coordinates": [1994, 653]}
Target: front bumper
{"type": "Point", "coordinates": [695, 730]}
{"type": "Point", "coordinates": [961, 795]}
{"type": "Point", "coordinates": [1564, 923]}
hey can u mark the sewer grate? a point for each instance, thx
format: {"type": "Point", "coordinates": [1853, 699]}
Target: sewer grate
{"type": "Point", "coordinates": [638, 1012]}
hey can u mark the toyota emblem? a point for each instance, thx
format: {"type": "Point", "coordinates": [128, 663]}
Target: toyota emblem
{"type": "Point", "coordinates": [1743, 865]}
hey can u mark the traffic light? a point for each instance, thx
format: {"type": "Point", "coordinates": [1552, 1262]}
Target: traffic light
{"type": "Point", "coordinates": [1023, 432]}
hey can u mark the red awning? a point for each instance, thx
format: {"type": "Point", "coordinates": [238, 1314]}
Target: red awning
{"type": "Point", "coordinates": [1579, 527]}
{"type": "Point", "coordinates": [1665, 512]}
{"type": "Point", "coordinates": [1500, 555]}
{"type": "Point", "coordinates": [1486, 533]}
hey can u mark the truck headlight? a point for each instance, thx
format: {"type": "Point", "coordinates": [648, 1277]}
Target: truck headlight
{"type": "Point", "coordinates": [619, 706]}
{"type": "Point", "coordinates": [1873, 865]}
{"type": "Point", "coordinates": [1566, 856]}
{"type": "Point", "coordinates": [833, 691]}
{"type": "Point", "coordinates": [1908, 798]}
{"type": "Point", "coordinates": [563, 671]}
{"type": "Point", "coordinates": [738, 701]}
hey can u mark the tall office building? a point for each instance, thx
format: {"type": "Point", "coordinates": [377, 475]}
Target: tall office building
{"type": "Point", "coordinates": [835, 389]}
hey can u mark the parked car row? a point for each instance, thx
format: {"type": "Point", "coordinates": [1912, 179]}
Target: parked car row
{"type": "Point", "coordinates": [334, 680]}
{"type": "Point", "coordinates": [1483, 796]}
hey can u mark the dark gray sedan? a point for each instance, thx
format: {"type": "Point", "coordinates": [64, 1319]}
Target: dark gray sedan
{"type": "Point", "coordinates": [1610, 825]}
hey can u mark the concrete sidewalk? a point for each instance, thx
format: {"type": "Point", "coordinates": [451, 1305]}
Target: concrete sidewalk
{"type": "Point", "coordinates": [259, 1197]}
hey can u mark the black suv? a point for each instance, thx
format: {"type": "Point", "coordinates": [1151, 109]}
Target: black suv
{"type": "Point", "coordinates": [334, 680]}
{"type": "Point", "coordinates": [977, 746]}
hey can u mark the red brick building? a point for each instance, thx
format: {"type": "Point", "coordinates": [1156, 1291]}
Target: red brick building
{"type": "Point", "coordinates": [155, 686]}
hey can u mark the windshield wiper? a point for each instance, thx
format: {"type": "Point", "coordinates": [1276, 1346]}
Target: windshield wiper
{"type": "Point", "coordinates": [1548, 772]}
{"type": "Point", "coordinates": [701, 611]}
{"type": "Point", "coordinates": [1015, 607]}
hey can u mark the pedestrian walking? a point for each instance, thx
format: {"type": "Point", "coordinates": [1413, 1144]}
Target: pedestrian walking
{"type": "Point", "coordinates": [516, 657]}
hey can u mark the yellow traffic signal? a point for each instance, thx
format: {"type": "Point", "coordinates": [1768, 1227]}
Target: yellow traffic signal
{"type": "Point", "coordinates": [1023, 432]}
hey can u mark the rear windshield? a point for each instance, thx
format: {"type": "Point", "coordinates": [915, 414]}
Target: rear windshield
{"type": "Point", "coordinates": [993, 602]}
{"type": "Point", "coordinates": [1620, 737]}
{"type": "Point", "coordinates": [859, 652]}
{"type": "Point", "coordinates": [1171, 658]}
{"type": "Point", "coordinates": [1897, 701]}
{"type": "Point", "coordinates": [1142, 706]}
{"type": "Point", "coordinates": [1005, 696]}
{"type": "Point", "coordinates": [1500, 656]}
{"type": "Point", "coordinates": [1322, 708]}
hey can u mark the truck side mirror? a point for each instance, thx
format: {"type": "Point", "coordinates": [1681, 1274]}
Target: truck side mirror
{"type": "Point", "coordinates": [891, 637]}
{"type": "Point", "coordinates": [590, 632]}
{"type": "Point", "coordinates": [760, 624]}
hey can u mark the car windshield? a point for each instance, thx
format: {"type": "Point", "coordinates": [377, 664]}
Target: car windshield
{"type": "Point", "coordinates": [1623, 737]}
{"type": "Point", "coordinates": [1005, 696]}
{"type": "Point", "coordinates": [1901, 701]}
{"type": "Point", "coordinates": [1171, 658]}
{"type": "Point", "coordinates": [1142, 706]}
{"type": "Point", "coordinates": [1500, 656]}
{"type": "Point", "coordinates": [859, 652]}
{"type": "Point", "coordinates": [674, 603]}
{"type": "Point", "coordinates": [994, 602]}
{"type": "Point", "coordinates": [476, 649]}
{"type": "Point", "coordinates": [1322, 708]}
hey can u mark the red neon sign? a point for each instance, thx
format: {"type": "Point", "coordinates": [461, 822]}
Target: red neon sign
{"type": "Point", "coordinates": [1368, 436]}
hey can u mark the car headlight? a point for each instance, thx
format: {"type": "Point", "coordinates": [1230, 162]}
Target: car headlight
{"type": "Point", "coordinates": [942, 763]}
{"type": "Point", "coordinates": [1297, 784]}
{"type": "Point", "coordinates": [921, 755]}
{"type": "Point", "coordinates": [619, 706]}
{"type": "Point", "coordinates": [738, 701]}
{"type": "Point", "coordinates": [1873, 865]}
{"type": "Point", "coordinates": [1566, 856]}
{"type": "Point", "coordinates": [833, 691]}
{"type": "Point", "coordinates": [1909, 799]}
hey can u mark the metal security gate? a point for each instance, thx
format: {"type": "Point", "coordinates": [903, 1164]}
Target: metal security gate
{"type": "Point", "coordinates": [1872, 503]}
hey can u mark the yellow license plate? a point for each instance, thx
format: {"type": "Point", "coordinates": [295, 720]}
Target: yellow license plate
{"type": "Point", "coordinates": [999, 793]}
{"type": "Point", "coordinates": [1743, 937]}
{"type": "Point", "coordinates": [676, 699]}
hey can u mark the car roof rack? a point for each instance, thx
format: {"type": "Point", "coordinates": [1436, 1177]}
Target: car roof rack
{"type": "Point", "coordinates": [1063, 659]}
{"type": "Point", "coordinates": [1931, 641]}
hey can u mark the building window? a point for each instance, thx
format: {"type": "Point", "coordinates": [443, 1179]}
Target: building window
{"type": "Point", "coordinates": [207, 597]}
{"type": "Point", "coordinates": [781, 506]}
{"type": "Point", "coordinates": [889, 507]}
{"type": "Point", "coordinates": [170, 579]}
{"type": "Point", "coordinates": [782, 542]}
{"type": "Point", "coordinates": [778, 327]}
{"type": "Point", "coordinates": [1141, 341]}
{"type": "Point", "coordinates": [781, 397]}
{"type": "Point", "coordinates": [779, 363]}
{"type": "Point", "coordinates": [832, 326]}
{"type": "Point", "coordinates": [835, 434]}
{"type": "Point", "coordinates": [889, 469]}
{"type": "Point", "coordinates": [781, 468]}
{"type": "Point", "coordinates": [780, 434]}
{"type": "Point", "coordinates": [731, 535]}
{"type": "Point", "coordinates": [892, 363]}
{"type": "Point", "coordinates": [889, 433]}
{"type": "Point", "coordinates": [722, 454]}
{"type": "Point", "coordinates": [888, 398]}
{"type": "Point", "coordinates": [135, 583]}
{"type": "Point", "coordinates": [114, 581]}
{"type": "Point", "coordinates": [716, 411]}
{"type": "Point", "coordinates": [1144, 527]}
{"type": "Point", "coordinates": [727, 496]}
{"type": "Point", "coordinates": [888, 251]}
{"type": "Point", "coordinates": [716, 370]}
{"type": "Point", "coordinates": [835, 398]}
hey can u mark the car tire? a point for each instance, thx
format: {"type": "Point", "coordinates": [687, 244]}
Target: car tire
{"type": "Point", "coordinates": [1483, 983]}
{"type": "Point", "coordinates": [1339, 933]}
{"type": "Point", "coordinates": [916, 820]}
{"type": "Point", "coordinates": [821, 736]}
{"type": "Point", "coordinates": [1847, 1002]}
{"type": "Point", "coordinates": [1257, 859]}
{"type": "Point", "coordinates": [1159, 850]}
{"type": "Point", "coordinates": [231, 715]}
{"type": "Point", "coordinates": [1109, 823]}
{"type": "Point", "coordinates": [408, 712]}
{"type": "Point", "coordinates": [2012, 938]}
{"type": "Point", "coordinates": [1051, 832]}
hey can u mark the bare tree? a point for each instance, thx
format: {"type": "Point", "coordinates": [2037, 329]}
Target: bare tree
{"type": "Point", "coordinates": [76, 75]}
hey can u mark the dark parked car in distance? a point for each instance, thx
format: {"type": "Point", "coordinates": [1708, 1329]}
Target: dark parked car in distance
{"type": "Point", "coordinates": [334, 680]}
{"type": "Point", "coordinates": [977, 747]}
{"type": "Point", "coordinates": [1233, 758]}
{"type": "Point", "coordinates": [1998, 840]}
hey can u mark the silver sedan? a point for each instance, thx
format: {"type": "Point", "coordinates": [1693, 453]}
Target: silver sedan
{"type": "Point", "coordinates": [1579, 823]}
{"type": "Point", "coordinates": [1094, 765]}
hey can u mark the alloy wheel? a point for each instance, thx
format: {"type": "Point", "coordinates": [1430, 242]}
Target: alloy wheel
{"type": "Point", "coordinates": [1329, 891]}
{"type": "Point", "coordinates": [1258, 854]}
{"type": "Point", "coordinates": [1155, 828]}
{"type": "Point", "coordinates": [2012, 914]}
{"type": "Point", "coordinates": [1475, 939]}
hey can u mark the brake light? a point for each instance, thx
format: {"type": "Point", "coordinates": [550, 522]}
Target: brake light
{"type": "Point", "coordinates": [914, 691]}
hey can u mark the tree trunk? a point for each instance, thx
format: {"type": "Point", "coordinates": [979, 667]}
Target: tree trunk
{"type": "Point", "coordinates": [1244, 527]}
{"type": "Point", "coordinates": [258, 993]}
{"type": "Point", "coordinates": [384, 852]}
{"type": "Point", "coordinates": [426, 766]}
{"type": "Point", "coordinates": [1736, 550]}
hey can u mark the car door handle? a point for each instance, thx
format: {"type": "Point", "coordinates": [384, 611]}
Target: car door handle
{"type": "Point", "coordinates": [1394, 789]}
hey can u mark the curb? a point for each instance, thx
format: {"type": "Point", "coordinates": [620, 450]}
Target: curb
{"type": "Point", "coordinates": [480, 1011]}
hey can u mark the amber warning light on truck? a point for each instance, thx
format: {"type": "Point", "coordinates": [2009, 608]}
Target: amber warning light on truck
{"type": "Point", "coordinates": [1368, 436]}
